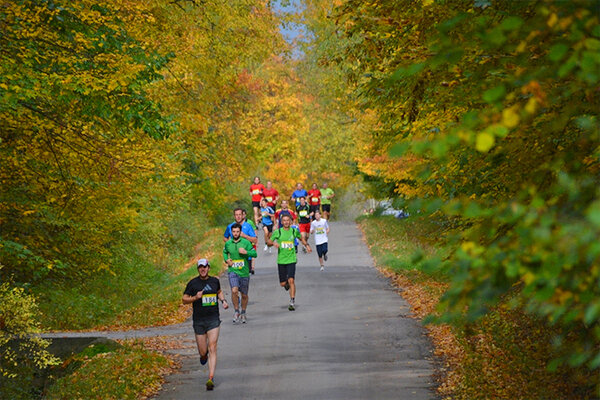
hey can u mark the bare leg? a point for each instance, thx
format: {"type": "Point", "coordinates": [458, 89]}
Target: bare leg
{"type": "Point", "coordinates": [256, 215]}
{"type": "Point", "coordinates": [244, 301]}
{"type": "Point", "coordinates": [201, 343]}
{"type": "Point", "coordinates": [213, 337]}
{"type": "Point", "coordinates": [292, 288]}
{"type": "Point", "coordinates": [235, 300]}
{"type": "Point", "coordinates": [305, 235]}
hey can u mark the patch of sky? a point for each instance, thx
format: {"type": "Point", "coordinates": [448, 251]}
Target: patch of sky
{"type": "Point", "coordinates": [293, 30]}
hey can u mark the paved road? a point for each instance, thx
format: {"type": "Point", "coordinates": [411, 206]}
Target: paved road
{"type": "Point", "coordinates": [349, 337]}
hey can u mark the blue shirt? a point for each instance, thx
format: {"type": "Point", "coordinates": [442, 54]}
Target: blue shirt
{"type": "Point", "coordinates": [299, 193]}
{"type": "Point", "coordinates": [246, 229]}
{"type": "Point", "coordinates": [266, 219]}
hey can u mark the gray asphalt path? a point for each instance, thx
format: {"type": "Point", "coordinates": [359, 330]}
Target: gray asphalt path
{"type": "Point", "coordinates": [349, 337]}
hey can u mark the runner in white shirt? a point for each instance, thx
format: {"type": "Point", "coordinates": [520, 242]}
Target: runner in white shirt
{"type": "Point", "coordinates": [320, 228]}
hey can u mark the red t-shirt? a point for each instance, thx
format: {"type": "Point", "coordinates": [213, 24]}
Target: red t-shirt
{"type": "Point", "coordinates": [270, 195]}
{"type": "Point", "coordinates": [314, 197]}
{"type": "Point", "coordinates": [256, 191]}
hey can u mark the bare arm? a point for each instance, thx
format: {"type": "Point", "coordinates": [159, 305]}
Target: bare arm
{"type": "Point", "coordinates": [305, 243]}
{"type": "Point", "coordinates": [252, 239]}
{"type": "Point", "coordinates": [187, 299]}
{"type": "Point", "coordinates": [223, 300]}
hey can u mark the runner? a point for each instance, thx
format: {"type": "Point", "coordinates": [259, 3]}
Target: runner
{"type": "Point", "coordinates": [304, 216]}
{"type": "Point", "coordinates": [272, 195]}
{"type": "Point", "coordinates": [267, 220]}
{"type": "Point", "coordinates": [320, 227]}
{"type": "Point", "coordinates": [203, 292]}
{"type": "Point", "coordinates": [326, 196]}
{"type": "Point", "coordinates": [284, 210]}
{"type": "Point", "coordinates": [299, 192]}
{"type": "Point", "coordinates": [314, 199]}
{"type": "Point", "coordinates": [236, 252]}
{"type": "Point", "coordinates": [247, 230]}
{"type": "Point", "coordinates": [256, 191]}
{"type": "Point", "coordinates": [283, 239]}
{"type": "Point", "coordinates": [253, 225]}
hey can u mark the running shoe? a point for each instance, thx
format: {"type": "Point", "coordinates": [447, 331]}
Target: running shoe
{"type": "Point", "coordinates": [325, 256]}
{"type": "Point", "coordinates": [266, 247]}
{"type": "Point", "coordinates": [243, 318]}
{"type": "Point", "coordinates": [270, 250]}
{"type": "Point", "coordinates": [210, 385]}
{"type": "Point", "coordinates": [322, 268]}
{"type": "Point", "coordinates": [304, 250]}
{"type": "Point", "coordinates": [204, 359]}
{"type": "Point", "coordinates": [236, 317]}
{"type": "Point", "coordinates": [291, 307]}
{"type": "Point", "coordinates": [287, 286]}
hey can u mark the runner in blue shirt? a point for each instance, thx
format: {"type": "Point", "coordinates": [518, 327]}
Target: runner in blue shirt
{"type": "Point", "coordinates": [267, 214]}
{"type": "Point", "coordinates": [299, 192]}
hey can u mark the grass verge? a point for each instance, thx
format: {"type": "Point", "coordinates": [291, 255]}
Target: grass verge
{"type": "Point", "coordinates": [502, 356]}
{"type": "Point", "coordinates": [129, 371]}
{"type": "Point", "coordinates": [142, 294]}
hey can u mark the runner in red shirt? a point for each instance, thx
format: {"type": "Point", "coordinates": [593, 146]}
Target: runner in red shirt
{"type": "Point", "coordinates": [271, 195]}
{"type": "Point", "coordinates": [314, 199]}
{"type": "Point", "coordinates": [256, 191]}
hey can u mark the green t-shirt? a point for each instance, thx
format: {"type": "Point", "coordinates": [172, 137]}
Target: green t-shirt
{"type": "Point", "coordinates": [324, 194]}
{"type": "Point", "coordinates": [241, 265]}
{"type": "Point", "coordinates": [287, 250]}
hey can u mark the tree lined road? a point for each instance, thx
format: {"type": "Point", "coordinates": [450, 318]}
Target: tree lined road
{"type": "Point", "coordinates": [349, 338]}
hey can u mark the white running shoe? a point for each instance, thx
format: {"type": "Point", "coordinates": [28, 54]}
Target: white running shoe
{"type": "Point", "coordinates": [266, 247]}
{"type": "Point", "coordinates": [236, 317]}
{"type": "Point", "coordinates": [322, 268]}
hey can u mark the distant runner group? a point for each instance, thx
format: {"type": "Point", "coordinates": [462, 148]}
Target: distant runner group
{"type": "Point", "coordinates": [283, 229]}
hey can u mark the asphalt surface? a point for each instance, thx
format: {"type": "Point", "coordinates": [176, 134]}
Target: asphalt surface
{"type": "Point", "coordinates": [349, 338]}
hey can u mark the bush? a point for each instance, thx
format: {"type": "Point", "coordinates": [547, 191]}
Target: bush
{"type": "Point", "coordinates": [21, 354]}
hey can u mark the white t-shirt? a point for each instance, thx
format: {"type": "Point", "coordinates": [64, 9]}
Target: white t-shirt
{"type": "Point", "coordinates": [320, 228]}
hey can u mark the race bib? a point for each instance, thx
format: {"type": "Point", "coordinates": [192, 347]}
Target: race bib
{"type": "Point", "coordinates": [287, 245]}
{"type": "Point", "coordinates": [269, 199]}
{"type": "Point", "coordinates": [256, 191]}
{"type": "Point", "coordinates": [209, 299]}
{"type": "Point", "coordinates": [320, 231]}
{"type": "Point", "coordinates": [315, 199]}
{"type": "Point", "coordinates": [264, 213]}
{"type": "Point", "coordinates": [238, 264]}
{"type": "Point", "coordinates": [303, 213]}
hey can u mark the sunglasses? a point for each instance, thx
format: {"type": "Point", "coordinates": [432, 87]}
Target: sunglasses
{"type": "Point", "coordinates": [203, 266]}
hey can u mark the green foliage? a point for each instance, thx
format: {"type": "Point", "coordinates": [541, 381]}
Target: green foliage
{"type": "Point", "coordinates": [490, 112]}
{"type": "Point", "coordinates": [21, 353]}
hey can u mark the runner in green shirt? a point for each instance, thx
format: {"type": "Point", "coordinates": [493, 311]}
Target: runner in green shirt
{"type": "Point", "coordinates": [253, 225]}
{"type": "Point", "coordinates": [236, 252]}
{"type": "Point", "coordinates": [326, 195]}
{"type": "Point", "coordinates": [283, 240]}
